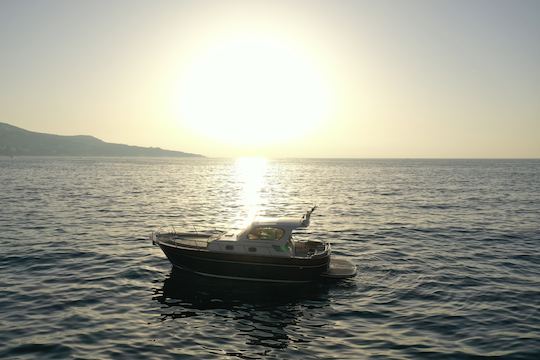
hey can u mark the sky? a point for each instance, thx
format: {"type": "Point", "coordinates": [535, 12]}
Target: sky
{"type": "Point", "coordinates": [382, 79]}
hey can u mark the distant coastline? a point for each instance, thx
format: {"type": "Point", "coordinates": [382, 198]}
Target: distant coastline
{"type": "Point", "coordinates": [15, 141]}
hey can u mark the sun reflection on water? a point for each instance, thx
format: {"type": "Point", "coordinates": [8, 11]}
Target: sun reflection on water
{"type": "Point", "coordinates": [250, 172]}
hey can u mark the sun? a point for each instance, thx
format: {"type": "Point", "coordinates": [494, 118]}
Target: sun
{"type": "Point", "coordinates": [252, 91]}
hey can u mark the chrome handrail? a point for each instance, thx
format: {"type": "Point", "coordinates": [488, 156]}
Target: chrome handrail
{"type": "Point", "coordinates": [175, 236]}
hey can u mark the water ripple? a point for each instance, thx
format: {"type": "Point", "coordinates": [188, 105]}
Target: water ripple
{"type": "Point", "coordinates": [447, 256]}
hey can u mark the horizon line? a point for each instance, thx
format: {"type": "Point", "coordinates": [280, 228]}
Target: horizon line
{"type": "Point", "coordinates": [277, 157]}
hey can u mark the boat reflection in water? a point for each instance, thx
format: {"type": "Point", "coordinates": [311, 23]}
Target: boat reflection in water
{"type": "Point", "coordinates": [254, 314]}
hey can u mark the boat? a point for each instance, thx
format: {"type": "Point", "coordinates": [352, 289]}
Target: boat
{"type": "Point", "coordinates": [265, 250]}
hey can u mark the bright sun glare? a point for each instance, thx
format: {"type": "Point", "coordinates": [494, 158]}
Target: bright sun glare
{"type": "Point", "coordinates": [250, 172]}
{"type": "Point", "coordinates": [252, 91]}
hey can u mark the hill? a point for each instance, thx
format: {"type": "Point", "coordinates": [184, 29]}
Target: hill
{"type": "Point", "coordinates": [15, 141]}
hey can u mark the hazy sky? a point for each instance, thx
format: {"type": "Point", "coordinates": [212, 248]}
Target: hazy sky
{"type": "Point", "coordinates": [279, 78]}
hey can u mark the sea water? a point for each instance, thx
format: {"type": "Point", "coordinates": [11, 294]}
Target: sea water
{"type": "Point", "coordinates": [447, 254]}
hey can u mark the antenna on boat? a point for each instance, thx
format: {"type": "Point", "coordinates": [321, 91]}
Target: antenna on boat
{"type": "Point", "coordinates": [307, 215]}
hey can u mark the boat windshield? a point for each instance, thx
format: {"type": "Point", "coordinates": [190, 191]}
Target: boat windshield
{"type": "Point", "coordinates": [266, 233]}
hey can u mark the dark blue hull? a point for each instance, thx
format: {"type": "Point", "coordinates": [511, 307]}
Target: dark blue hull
{"type": "Point", "coordinates": [247, 267]}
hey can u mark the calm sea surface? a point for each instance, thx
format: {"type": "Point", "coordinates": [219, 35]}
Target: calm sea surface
{"type": "Point", "coordinates": [447, 254]}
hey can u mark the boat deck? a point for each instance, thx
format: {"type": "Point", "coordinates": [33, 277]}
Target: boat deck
{"type": "Point", "coordinates": [339, 269]}
{"type": "Point", "coordinates": [196, 241]}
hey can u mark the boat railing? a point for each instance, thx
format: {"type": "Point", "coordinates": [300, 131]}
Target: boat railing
{"type": "Point", "coordinates": [179, 237]}
{"type": "Point", "coordinates": [309, 249]}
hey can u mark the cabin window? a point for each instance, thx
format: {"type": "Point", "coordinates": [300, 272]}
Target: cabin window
{"type": "Point", "coordinates": [266, 233]}
{"type": "Point", "coordinates": [281, 248]}
{"type": "Point", "coordinates": [252, 249]}
{"type": "Point", "coordinates": [229, 247]}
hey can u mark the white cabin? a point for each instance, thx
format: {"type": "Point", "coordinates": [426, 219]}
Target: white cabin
{"type": "Point", "coordinates": [264, 236]}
